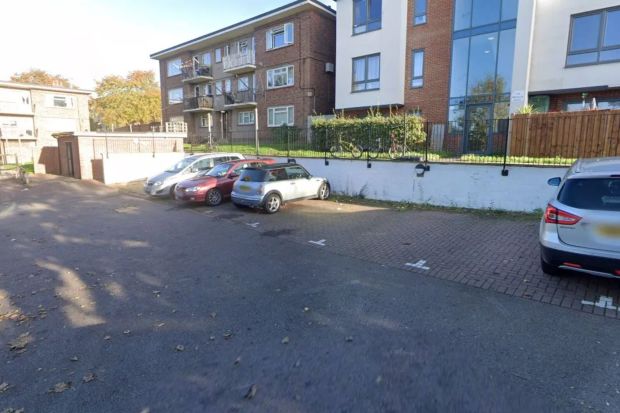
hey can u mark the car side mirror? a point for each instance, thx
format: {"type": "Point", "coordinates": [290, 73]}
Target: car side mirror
{"type": "Point", "coordinates": [554, 181]}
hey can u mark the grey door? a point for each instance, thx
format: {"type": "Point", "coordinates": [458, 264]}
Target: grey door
{"type": "Point", "coordinates": [69, 150]}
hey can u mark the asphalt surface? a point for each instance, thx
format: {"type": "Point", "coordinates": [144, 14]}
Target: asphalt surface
{"type": "Point", "coordinates": [146, 307]}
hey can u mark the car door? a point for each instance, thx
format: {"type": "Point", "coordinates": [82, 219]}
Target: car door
{"type": "Point", "coordinates": [297, 178]}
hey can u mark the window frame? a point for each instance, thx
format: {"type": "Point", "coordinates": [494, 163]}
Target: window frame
{"type": "Point", "coordinates": [170, 102]}
{"type": "Point", "coordinates": [247, 83]}
{"type": "Point", "coordinates": [241, 118]}
{"type": "Point", "coordinates": [228, 85]}
{"type": "Point", "coordinates": [367, 22]}
{"type": "Point", "coordinates": [417, 14]}
{"type": "Point", "coordinates": [169, 62]}
{"type": "Point", "coordinates": [366, 79]}
{"type": "Point", "coordinates": [288, 34]}
{"type": "Point", "coordinates": [290, 109]}
{"type": "Point", "coordinates": [601, 37]}
{"type": "Point", "coordinates": [288, 70]}
{"type": "Point", "coordinates": [413, 75]}
{"type": "Point", "coordinates": [204, 121]}
{"type": "Point", "coordinates": [218, 55]}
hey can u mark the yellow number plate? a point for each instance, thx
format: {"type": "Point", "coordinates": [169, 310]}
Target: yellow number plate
{"type": "Point", "coordinates": [244, 188]}
{"type": "Point", "coordinates": [609, 231]}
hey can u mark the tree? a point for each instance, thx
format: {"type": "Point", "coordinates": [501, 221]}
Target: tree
{"type": "Point", "coordinates": [130, 100]}
{"type": "Point", "coordinates": [41, 77]}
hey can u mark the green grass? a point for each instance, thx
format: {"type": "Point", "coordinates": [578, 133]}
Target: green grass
{"type": "Point", "coordinates": [281, 151]}
{"type": "Point", "coordinates": [29, 167]}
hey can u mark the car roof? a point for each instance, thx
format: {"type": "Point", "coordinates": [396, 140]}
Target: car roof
{"type": "Point", "coordinates": [236, 161]}
{"type": "Point", "coordinates": [215, 155]}
{"type": "Point", "coordinates": [595, 168]}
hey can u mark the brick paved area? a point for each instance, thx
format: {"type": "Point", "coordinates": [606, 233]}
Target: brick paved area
{"type": "Point", "coordinates": [499, 254]}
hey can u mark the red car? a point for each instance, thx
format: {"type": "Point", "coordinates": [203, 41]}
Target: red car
{"type": "Point", "coordinates": [215, 185]}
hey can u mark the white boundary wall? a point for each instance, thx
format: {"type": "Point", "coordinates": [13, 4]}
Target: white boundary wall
{"type": "Point", "coordinates": [126, 167]}
{"type": "Point", "coordinates": [456, 185]}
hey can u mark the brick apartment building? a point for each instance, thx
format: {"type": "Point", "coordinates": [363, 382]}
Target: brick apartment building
{"type": "Point", "coordinates": [272, 69]}
{"type": "Point", "coordinates": [30, 114]}
{"type": "Point", "coordinates": [463, 59]}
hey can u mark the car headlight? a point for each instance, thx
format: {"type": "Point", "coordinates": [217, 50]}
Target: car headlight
{"type": "Point", "coordinates": [193, 189]}
{"type": "Point", "coordinates": [157, 183]}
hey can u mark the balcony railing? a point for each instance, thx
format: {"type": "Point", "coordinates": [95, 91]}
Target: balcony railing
{"type": "Point", "coordinates": [236, 61]}
{"type": "Point", "coordinates": [240, 98]}
{"type": "Point", "coordinates": [196, 72]}
{"type": "Point", "coordinates": [198, 103]}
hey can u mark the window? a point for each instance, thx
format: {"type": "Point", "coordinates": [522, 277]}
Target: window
{"type": "Point", "coordinates": [243, 84]}
{"type": "Point", "coordinates": [594, 38]}
{"type": "Point", "coordinates": [227, 85]}
{"type": "Point", "coordinates": [227, 50]}
{"type": "Point", "coordinates": [246, 118]}
{"type": "Point", "coordinates": [366, 73]}
{"type": "Point", "coordinates": [280, 36]}
{"type": "Point", "coordinates": [366, 15]}
{"type": "Point", "coordinates": [218, 87]}
{"type": "Point", "coordinates": [296, 172]}
{"type": "Point", "coordinates": [588, 103]}
{"type": "Point", "coordinates": [206, 59]}
{"type": "Point", "coordinates": [280, 115]}
{"type": "Point", "coordinates": [175, 96]}
{"type": "Point", "coordinates": [174, 67]}
{"type": "Point", "coordinates": [218, 55]}
{"type": "Point", "coordinates": [419, 12]}
{"type": "Point", "coordinates": [242, 47]}
{"type": "Point", "coordinates": [476, 13]}
{"type": "Point", "coordinates": [280, 77]}
{"type": "Point", "coordinates": [208, 89]}
{"type": "Point", "coordinates": [204, 121]}
{"type": "Point", "coordinates": [59, 101]}
{"type": "Point", "coordinates": [599, 194]}
{"type": "Point", "coordinates": [417, 68]}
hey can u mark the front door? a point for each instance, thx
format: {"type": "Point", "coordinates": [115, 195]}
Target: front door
{"type": "Point", "coordinates": [69, 150]}
{"type": "Point", "coordinates": [478, 128]}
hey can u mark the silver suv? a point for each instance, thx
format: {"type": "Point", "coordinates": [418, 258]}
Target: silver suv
{"type": "Point", "coordinates": [272, 185]}
{"type": "Point", "coordinates": [580, 230]}
{"type": "Point", "coordinates": [164, 183]}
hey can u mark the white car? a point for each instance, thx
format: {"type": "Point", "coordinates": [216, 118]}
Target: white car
{"type": "Point", "coordinates": [272, 185]}
{"type": "Point", "coordinates": [164, 183]}
{"type": "Point", "coordinates": [580, 230]}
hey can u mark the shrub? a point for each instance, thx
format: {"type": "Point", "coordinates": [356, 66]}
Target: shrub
{"type": "Point", "coordinates": [368, 131]}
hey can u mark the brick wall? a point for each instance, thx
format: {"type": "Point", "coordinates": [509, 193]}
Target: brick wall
{"type": "Point", "coordinates": [435, 37]}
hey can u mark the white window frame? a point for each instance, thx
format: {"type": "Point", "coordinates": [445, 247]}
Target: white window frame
{"type": "Point", "coordinates": [206, 58]}
{"type": "Point", "coordinates": [271, 115]}
{"type": "Point", "coordinates": [204, 121]}
{"type": "Point", "coordinates": [218, 88]}
{"type": "Point", "coordinates": [173, 67]}
{"type": "Point", "coordinates": [228, 85]}
{"type": "Point", "coordinates": [53, 101]}
{"type": "Point", "coordinates": [243, 46]}
{"type": "Point", "coordinates": [243, 83]}
{"type": "Point", "coordinates": [218, 55]}
{"type": "Point", "coordinates": [286, 71]}
{"type": "Point", "coordinates": [288, 30]}
{"type": "Point", "coordinates": [245, 118]}
{"type": "Point", "coordinates": [172, 101]}
{"type": "Point", "coordinates": [417, 79]}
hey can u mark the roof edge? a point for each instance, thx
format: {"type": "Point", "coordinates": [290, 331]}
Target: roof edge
{"type": "Point", "coordinates": [30, 86]}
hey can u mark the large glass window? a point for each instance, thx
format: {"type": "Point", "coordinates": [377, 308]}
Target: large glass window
{"type": "Point", "coordinates": [419, 11]}
{"type": "Point", "coordinates": [366, 73]}
{"type": "Point", "coordinates": [174, 67]}
{"type": "Point", "coordinates": [504, 61]}
{"type": "Point", "coordinates": [366, 15]}
{"type": "Point", "coordinates": [175, 96]}
{"type": "Point", "coordinates": [594, 38]}
{"type": "Point", "coordinates": [477, 13]}
{"type": "Point", "coordinates": [460, 60]}
{"type": "Point", "coordinates": [280, 36]}
{"type": "Point", "coordinates": [485, 12]}
{"type": "Point", "coordinates": [280, 77]}
{"type": "Point", "coordinates": [462, 14]}
{"type": "Point", "coordinates": [482, 59]}
{"type": "Point", "coordinates": [280, 115]}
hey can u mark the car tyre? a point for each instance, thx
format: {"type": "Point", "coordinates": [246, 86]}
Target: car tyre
{"type": "Point", "coordinates": [324, 191]}
{"type": "Point", "coordinates": [172, 188]}
{"type": "Point", "coordinates": [273, 202]}
{"type": "Point", "coordinates": [213, 197]}
{"type": "Point", "coordinates": [549, 269]}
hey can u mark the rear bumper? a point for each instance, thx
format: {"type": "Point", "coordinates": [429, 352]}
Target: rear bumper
{"type": "Point", "coordinates": [251, 201]}
{"type": "Point", "coordinates": [599, 266]}
{"type": "Point", "coordinates": [156, 190]}
{"type": "Point", "coordinates": [189, 196]}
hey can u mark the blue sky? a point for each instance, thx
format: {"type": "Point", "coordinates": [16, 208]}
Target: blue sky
{"type": "Point", "coordinates": [86, 40]}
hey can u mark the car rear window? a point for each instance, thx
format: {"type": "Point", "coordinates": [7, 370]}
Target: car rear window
{"type": "Point", "coordinates": [602, 194]}
{"type": "Point", "coordinates": [252, 175]}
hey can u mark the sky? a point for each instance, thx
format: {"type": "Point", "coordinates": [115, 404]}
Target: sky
{"type": "Point", "coordinates": [89, 39]}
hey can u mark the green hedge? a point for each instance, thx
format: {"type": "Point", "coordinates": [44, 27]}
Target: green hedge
{"type": "Point", "coordinates": [367, 130]}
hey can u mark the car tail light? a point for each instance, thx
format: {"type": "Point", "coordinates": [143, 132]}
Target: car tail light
{"type": "Point", "coordinates": [618, 272]}
{"type": "Point", "coordinates": [557, 216]}
{"type": "Point", "coordinates": [572, 265]}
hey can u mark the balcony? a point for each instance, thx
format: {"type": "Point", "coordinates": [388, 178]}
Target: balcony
{"type": "Point", "coordinates": [240, 62]}
{"type": "Point", "coordinates": [196, 74]}
{"type": "Point", "coordinates": [244, 99]}
{"type": "Point", "coordinates": [198, 104]}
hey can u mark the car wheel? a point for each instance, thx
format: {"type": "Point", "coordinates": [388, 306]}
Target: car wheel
{"type": "Point", "coordinates": [213, 197]}
{"type": "Point", "coordinates": [549, 269]}
{"type": "Point", "coordinates": [273, 203]}
{"type": "Point", "coordinates": [324, 191]}
{"type": "Point", "coordinates": [172, 188]}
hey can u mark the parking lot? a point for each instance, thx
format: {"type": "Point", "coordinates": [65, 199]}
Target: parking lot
{"type": "Point", "coordinates": [114, 302]}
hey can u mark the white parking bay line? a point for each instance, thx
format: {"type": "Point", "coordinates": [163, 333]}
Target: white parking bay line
{"type": "Point", "coordinates": [420, 265]}
{"type": "Point", "coordinates": [320, 243]}
{"type": "Point", "coordinates": [253, 224]}
{"type": "Point", "coordinates": [603, 302]}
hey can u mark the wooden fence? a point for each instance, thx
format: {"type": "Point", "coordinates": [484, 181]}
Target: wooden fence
{"type": "Point", "coordinates": [586, 134]}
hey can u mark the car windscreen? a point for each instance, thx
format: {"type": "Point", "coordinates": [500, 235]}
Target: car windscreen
{"type": "Point", "coordinates": [601, 194]}
{"type": "Point", "coordinates": [252, 175]}
{"type": "Point", "coordinates": [219, 170]}
{"type": "Point", "coordinates": [182, 164]}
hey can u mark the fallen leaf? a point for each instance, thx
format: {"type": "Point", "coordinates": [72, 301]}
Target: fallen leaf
{"type": "Point", "coordinates": [379, 379]}
{"type": "Point", "coordinates": [74, 358]}
{"type": "Point", "coordinates": [127, 332]}
{"type": "Point", "coordinates": [180, 347]}
{"type": "Point", "coordinates": [285, 340]}
{"type": "Point", "coordinates": [251, 392]}
{"type": "Point", "coordinates": [20, 343]}
{"type": "Point", "coordinates": [297, 363]}
{"type": "Point", "coordinates": [60, 387]}
{"type": "Point", "coordinates": [237, 361]}
{"type": "Point", "coordinates": [227, 335]}
{"type": "Point", "coordinates": [88, 377]}
{"type": "Point", "coordinates": [213, 314]}
{"type": "Point", "coordinates": [12, 410]}
{"type": "Point", "coordinates": [107, 337]}
{"type": "Point", "coordinates": [4, 386]}
{"type": "Point", "coordinates": [156, 292]}
{"type": "Point", "coordinates": [348, 339]}
{"type": "Point", "coordinates": [160, 325]}
{"type": "Point", "coordinates": [306, 309]}
{"type": "Point", "coordinates": [212, 338]}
